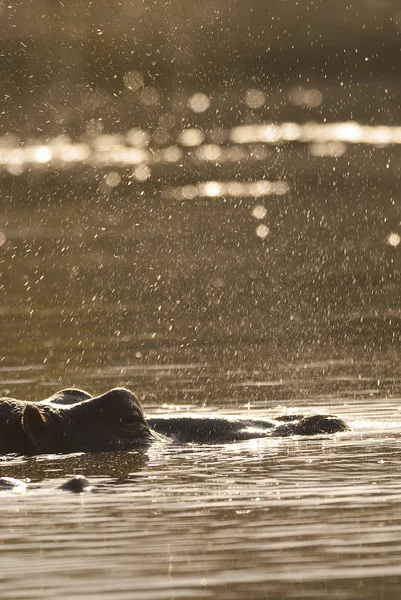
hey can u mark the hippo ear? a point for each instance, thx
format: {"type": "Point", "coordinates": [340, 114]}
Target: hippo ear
{"type": "Point", "coordinates": [38, 428]}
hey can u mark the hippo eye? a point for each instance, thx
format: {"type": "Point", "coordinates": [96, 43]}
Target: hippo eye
{"type": "Point", "coordinates": [129, 419]}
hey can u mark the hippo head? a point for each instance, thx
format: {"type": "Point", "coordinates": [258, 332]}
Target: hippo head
{"type": "Point", "coordinates": [12, 436]}
{"type": "Point", "coordinates": [113, 421]}
{"type": "Point", "coordinates": [316, 424]}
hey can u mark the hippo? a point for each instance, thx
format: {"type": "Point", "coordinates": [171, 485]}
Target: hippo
{"type": "Point", "coordinates": [73, 420]}
{"type": "Point", "coordinates": [77, 484]}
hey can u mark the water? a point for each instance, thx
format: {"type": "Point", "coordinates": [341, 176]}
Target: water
{"type": "Point", "coordinates": [246, 269]}
{"type": "Point", "coordinates": [274, 518]}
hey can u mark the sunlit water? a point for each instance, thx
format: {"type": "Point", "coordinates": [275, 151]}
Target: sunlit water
{"type": "Point", "coordinates": [277, 518]}
{"type": "Point", "coordinates": [248, 270]}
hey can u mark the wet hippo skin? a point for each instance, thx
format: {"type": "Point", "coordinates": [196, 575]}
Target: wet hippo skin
{"type": "Point", "coordinates": [74, 421]}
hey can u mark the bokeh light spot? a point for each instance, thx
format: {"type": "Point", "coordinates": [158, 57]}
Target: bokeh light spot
{"type": "Point", "coordinates": [255, 98]}
{"type": "Point", "coordinates": [189, 192]}
{"type": "Point", "coordinates": [191, 137]}
{"type": "Point", "coordinates": [209, 152]}
{"type": "Point", "coordinates": [262, 231]}
{"type": "Point", "coordinates": [16, 169]}
{"type": "Point", "coordinates": [233, 189]}
{"type": "Point", "coordinates": [42, 154]}
{"type": "Point", "coordinates": [219, 135]}
{"type": "Point", "coordinates": [133, 80]}
{"type": "Point", "coordinates": [199, 102]}
{"type": "Point", "coordinates": [94, 127]}
{"type": "Point", "coordinates": [142, 172]}
{"type": "Point", "coordinates": [211, 189]}
{"type": "Point", "coordinates": [172, 154]}
{"type": "Point", "coordinates": [394, 239]}
{"type": "Point", "coordinates": [138, 137]}
{"type": "Point", "coordinates": [112, 179]}
{"type": "Point", "coordinates": [259, 212]}
{"type": "Point", "coordinates": [149, 96]}
{"type": "Point", "coordinates": [327, 148]}
{"type": "Point", "coordinates": [305, 97]}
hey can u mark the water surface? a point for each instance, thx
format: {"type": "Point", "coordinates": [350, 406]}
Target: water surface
{"type": "Point", "coordinates": [229, 289]}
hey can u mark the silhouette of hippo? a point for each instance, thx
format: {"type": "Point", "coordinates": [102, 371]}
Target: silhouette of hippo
{"type": "Point", "coordinates": [77, 484]}
{"type": "Point", "coordinates": [74, 421]}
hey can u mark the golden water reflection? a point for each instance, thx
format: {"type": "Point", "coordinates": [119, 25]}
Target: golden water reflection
{"type": "Point", "coordinates": [233, 189]}
{"type": "Point", "coordinates": [133, 148]}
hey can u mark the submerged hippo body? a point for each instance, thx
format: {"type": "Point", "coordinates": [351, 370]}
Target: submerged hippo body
{"type": "Point", "coordinates": [74, 421]}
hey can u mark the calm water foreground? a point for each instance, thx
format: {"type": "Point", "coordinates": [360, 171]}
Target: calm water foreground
{"type": "Point", "coordinates": [254, 302]}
